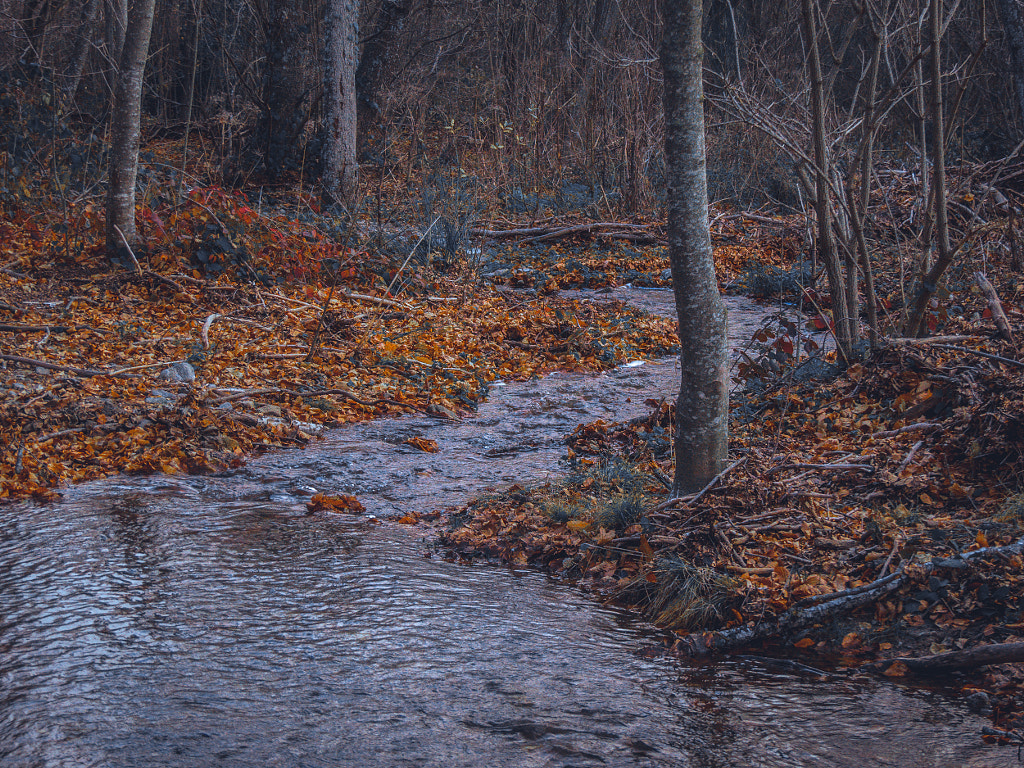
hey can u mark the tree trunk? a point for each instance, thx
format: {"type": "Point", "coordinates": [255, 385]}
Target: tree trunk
{"type": "Point", "coordinates": [284, 88]}
{"type": "Point", "coordinates": [83, 44]}
{"type": "Point", "coordinates": [125, 128]}
{"type": "Point", "coordinates": [928, 284]}
{"type": "Point", "coordinates": [374, 58]}
{"type": "Point", "coordinates": [702, 409]}
{"type": "Point", "coordinates": [845, 328]}
{"type": "Point", "coordinates": [340, 171]}
{"type": "Point", "coordinates": [1009, 15]}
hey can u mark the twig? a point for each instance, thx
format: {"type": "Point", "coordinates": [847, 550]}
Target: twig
{"type": "Point", "coordinates": [910, 457]}
{"type": "Point", "coordinates": [33, 328]}
{"type": "Point", "coordinates": [206, 329]}
{"type": "Point", "coordinates": [85, 372]}
{"type": "Point", "coordinates": [995, 306]}
{"type": "Point", "coordinates": [924, 426]}
{"type": "Point", "coordinates": [979, 353]}
{"type": "Point", "coordinates": [692, 499]}
{"type": "Point", "coordinates": [836, 467]}
{"type": "Point", "coordinates": [131, 253]}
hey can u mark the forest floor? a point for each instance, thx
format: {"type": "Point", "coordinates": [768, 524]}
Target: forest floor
{"type": "Point", "coordinates": [871, 513]}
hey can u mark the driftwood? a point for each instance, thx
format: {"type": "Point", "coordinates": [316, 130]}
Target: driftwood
{"type": "Point", "coordinates": [979, 656]}
{"type": "Point", "coordinates": [995, 306]}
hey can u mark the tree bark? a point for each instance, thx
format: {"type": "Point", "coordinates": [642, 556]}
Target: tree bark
{"type": "Point", "coordinates": [1009, 15]}
{"type": "Point", "coordinates": [125, 129]}
{"type": "Point", "coordinates": [340, 170]}
{"type": "Point", "coordinates": [702, 409]}
{"type": "Point", "coordinates": [845, 326]}
{"type": "Point", "coordinates": [928, 284]}
{"type": "Point", "coordinates": [372, 62]}
{"type": "Point", "coordinates": [979, 656]}
{"type": "Point", "coordinates": [83, 44]}
{"type": "Point", "coordinates": [284, 88]}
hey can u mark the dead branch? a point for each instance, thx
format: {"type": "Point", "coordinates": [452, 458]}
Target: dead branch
{"type": "Point", "coordinates": [925, 426]}
{"type": "Point", "coordinates": [793, 620]}
{"type": "Point", "coordinates": [982, 655]}
{"type": "Point", "coordinates": [33, 328]}
{"type": "Point", "coordinates": [690, 499]}
{"type": "Point", "coordinates": [84, 372]}
{"type": "Point", "coordinates": [995, 306]}
{"type": "Point", "coordinates": [979, 353]}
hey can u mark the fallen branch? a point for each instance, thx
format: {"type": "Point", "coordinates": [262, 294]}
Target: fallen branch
{"type": "Point", "coordinates": [693, 498]}
{"type": "Point", "coordinates": [924, 426]}
{"type": "Point", "coordinates": [830, 467]}
{"type": "Point", "coordinates": [980, 656]}
{"type": "Point", "coordinates": [979, 353]}
{"type": "Point", "coordinates": [33, 328]}
{"type": "Point", "coordinates": [995, 306]}
{"type": "Point", "coordinates": [84, 372]}
{"type": "Point", "coordinates": [793, 620]}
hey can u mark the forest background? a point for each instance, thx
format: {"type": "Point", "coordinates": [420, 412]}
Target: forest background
{"type": "Point", "coordinates": [294, 256]}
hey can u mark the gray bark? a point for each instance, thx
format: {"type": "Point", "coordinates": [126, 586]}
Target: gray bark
{"type": "Point", "coordinates": [845, 324]}
{"type": "Point", "coordinates": [83, 44]}
{"type": "Point", "coordinates": [373, 60]}
{"type": "Point", "coordinates": [1009, 15]}
{"type": "Point", "coordinates": [340, 171]}
{"type": "Point", "coordinates": [284, 88]}
{"type": "Point", "coordinates": [702, 409]}
{"type": "Point", "coordinates": [928, 284]}
{"type": "Point", "coordinates": [124, 128]}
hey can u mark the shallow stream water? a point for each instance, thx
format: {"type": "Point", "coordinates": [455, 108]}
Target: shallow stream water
{"type": "Point", "coordinates": [207, 621]}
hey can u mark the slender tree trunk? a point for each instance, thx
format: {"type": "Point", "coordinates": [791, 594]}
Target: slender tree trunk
{"type": "Point", "coordinates": [1009, 15]}
{"type": "Point", "coordinates": [117, 22]}
{"type": "Point", "coordinates": [845, 326]}
{"type": "Point", "coordinates": [928, 285]}
{"type": "Point", "coordinates": [83, 44]}
{"type": "Point", "coordinates": [125, 128]}
{"type": "Point", "coordinates": [340, 171]}
{"type": "Point", "coordinates": [370, 72]}
{"type": "Point", "coordinates": [702, 409]}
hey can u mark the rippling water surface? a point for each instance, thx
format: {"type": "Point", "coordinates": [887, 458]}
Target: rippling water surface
{"type": "Point", "coordinates": [210, 622]}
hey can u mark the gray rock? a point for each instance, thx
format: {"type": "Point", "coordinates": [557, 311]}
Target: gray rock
{"type": "Point", "coordinates": [180, 373]}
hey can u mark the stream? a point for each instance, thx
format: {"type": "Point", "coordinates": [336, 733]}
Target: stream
{"type": "Point", "coordinates": [208, 621]}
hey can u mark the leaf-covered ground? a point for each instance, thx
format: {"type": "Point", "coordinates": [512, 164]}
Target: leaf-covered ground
{"type": "Point", "coordinates": [291, 321]}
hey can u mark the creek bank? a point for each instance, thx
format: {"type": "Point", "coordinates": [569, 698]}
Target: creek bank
{"type": "Point", "coordinates": [844, 529]}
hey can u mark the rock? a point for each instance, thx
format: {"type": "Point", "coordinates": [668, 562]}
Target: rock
{"type": "Point", "coordinates": [271, 410]}
{"type": "Point", "coordinates": [180, 373]}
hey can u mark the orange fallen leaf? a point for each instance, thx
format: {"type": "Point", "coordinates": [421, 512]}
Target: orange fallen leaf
{"type": "Point", "coordinates": [896, 669]}
{"type": "Point", "coordinates": [804, 643]}
{"type": "Point", "coordinates": [409, 519]}
{"type": "Point", "coordinates": [341, 503]}
{"type": "Point", "coordinates": [852, 640]}
{"type": "Point", "coordinates": [427, 446]}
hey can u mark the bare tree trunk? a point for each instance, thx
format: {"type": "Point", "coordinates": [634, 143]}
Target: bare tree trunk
{"type": "Point", "coordinates": [928, 285]}
{"type": "Point", "coordinates": [845, 326]}
{"type": "Point", "coordinates": [125, 128]}
{"type": "Point", "coordinates": [284, 88]}
{"type": "Point", "coordinates": [374, 58]}
{"type": "Point", "coordinates": [702, 409]}
{"type": "Point", "coordinates": [1009, 15]}
{"type": "Point", "coordinates": [117, 21]}
{"type": "Point", "coordinates": [83, 44]}
{"type": "Point", "coordinates": [340, 174]}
